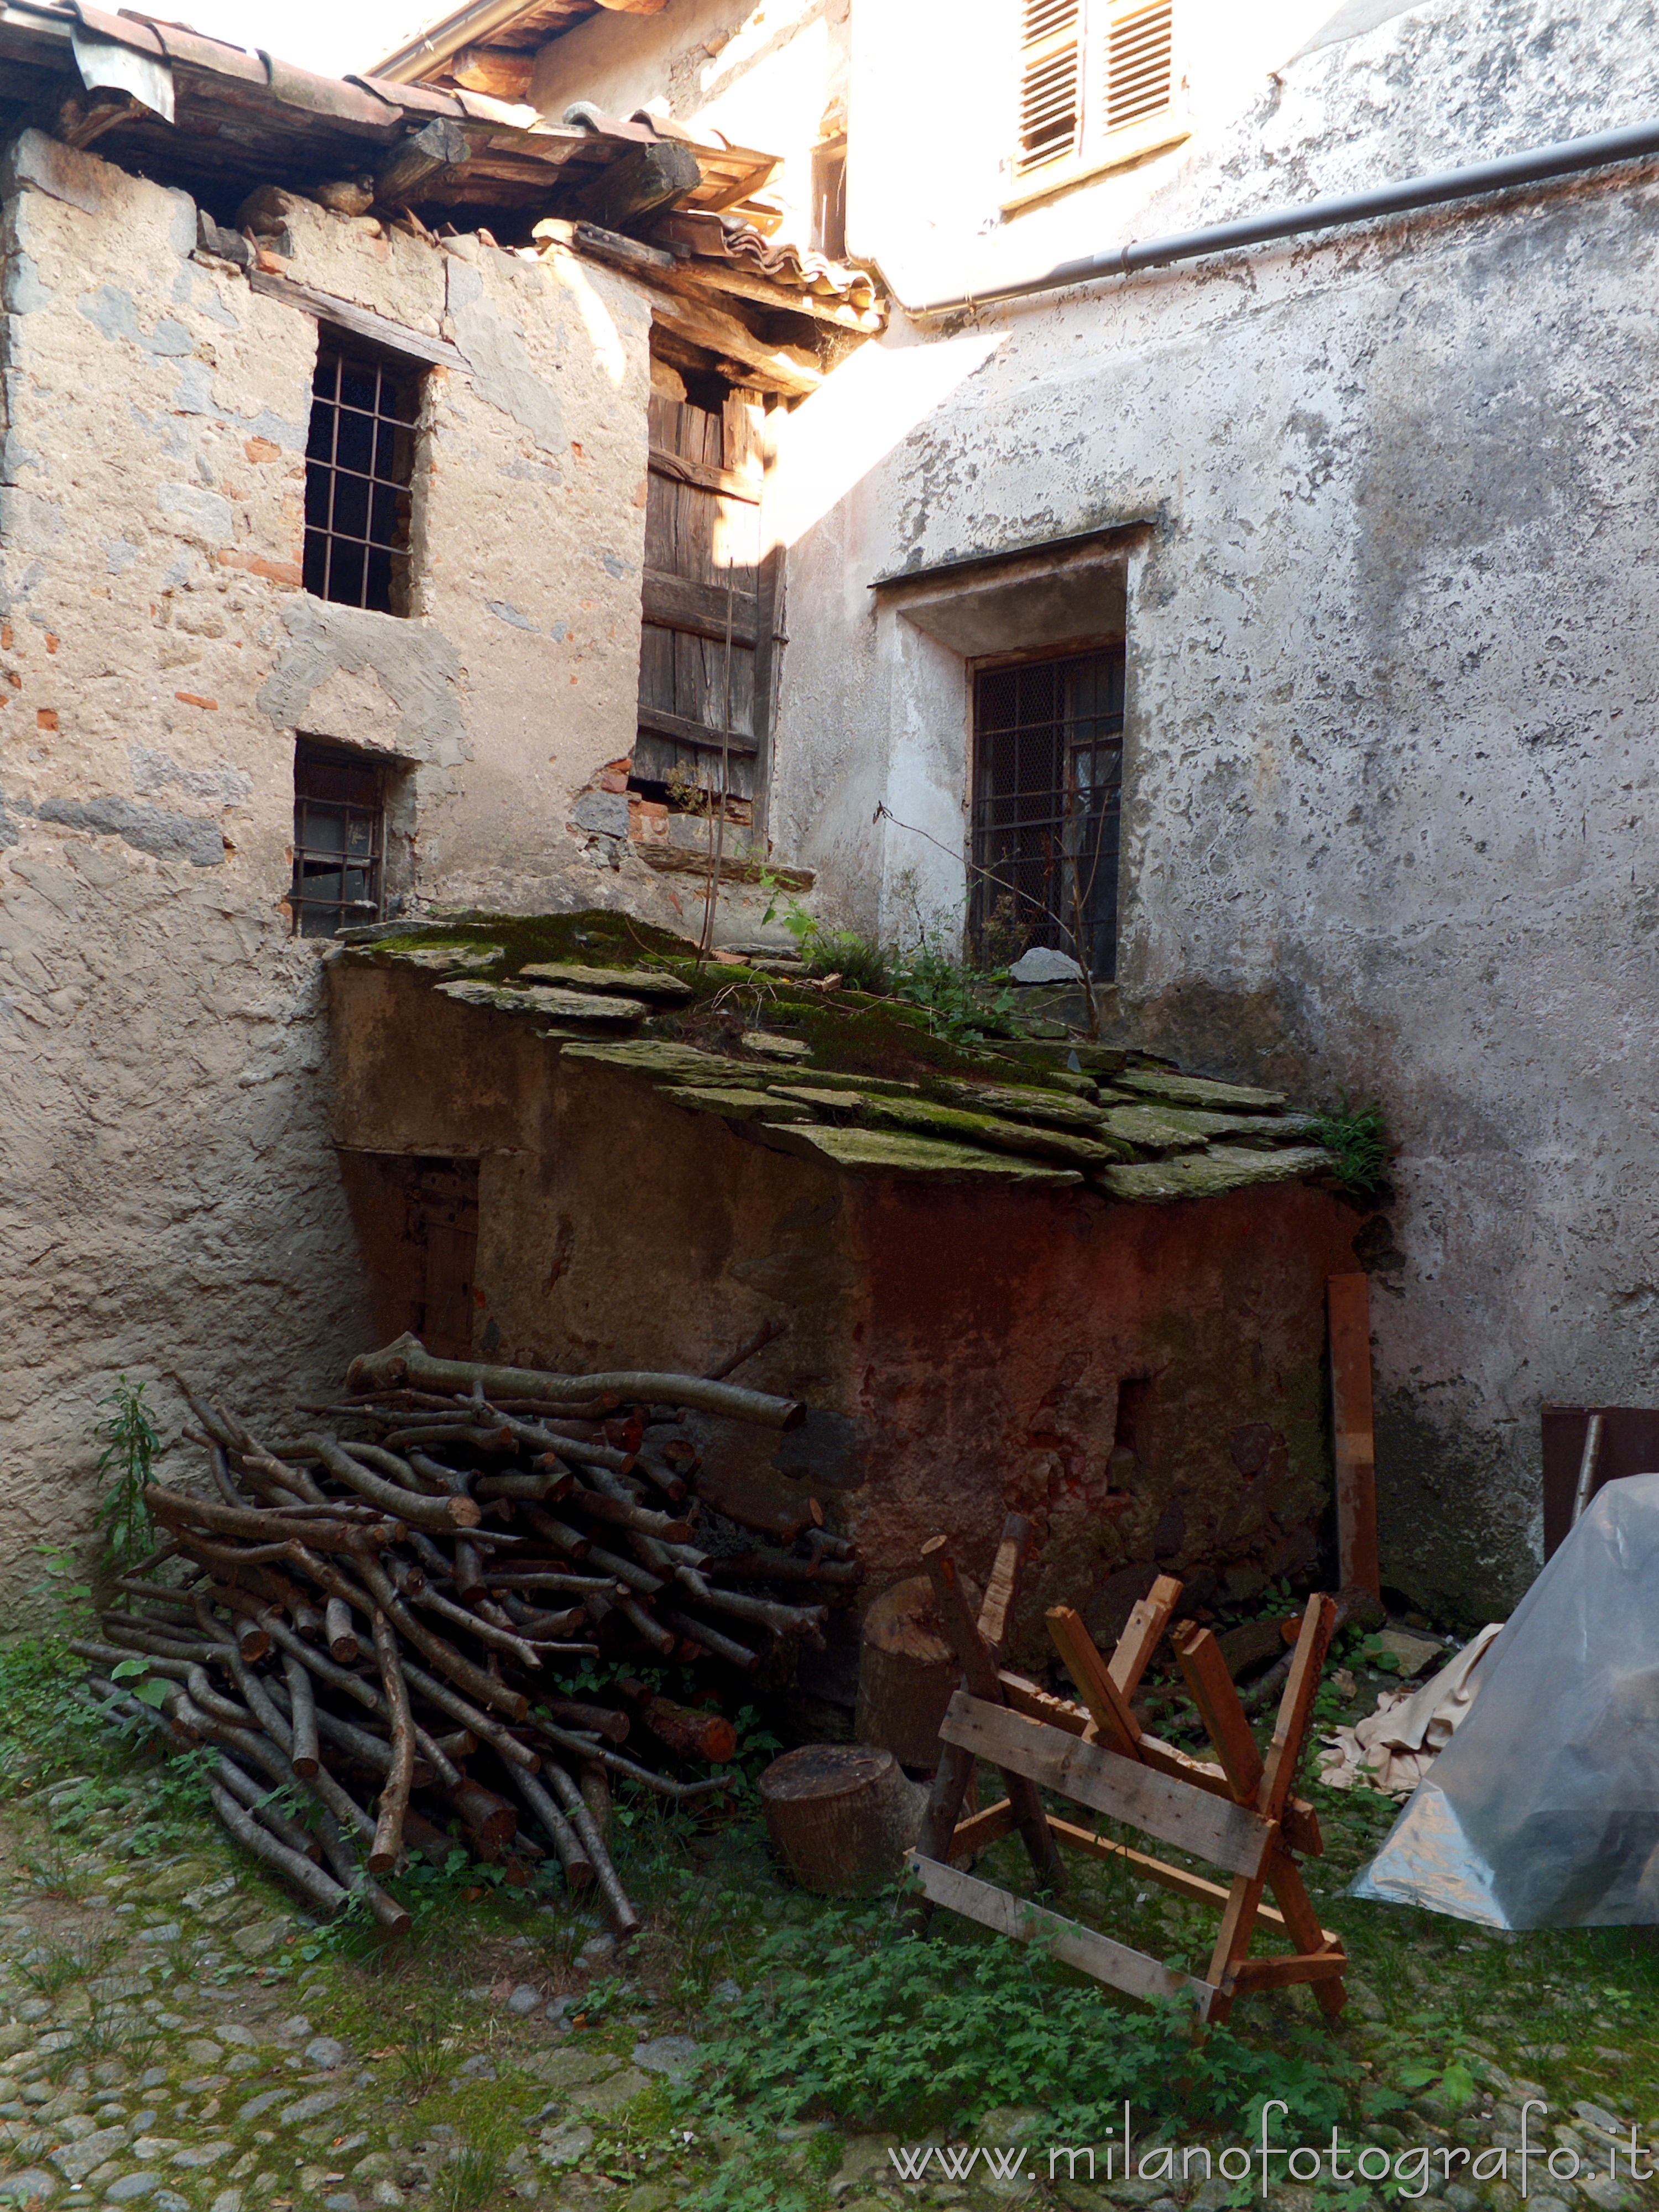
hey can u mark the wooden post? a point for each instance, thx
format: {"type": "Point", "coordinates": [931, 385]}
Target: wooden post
{"type": "Point", "coordinates": [1351, 1423]}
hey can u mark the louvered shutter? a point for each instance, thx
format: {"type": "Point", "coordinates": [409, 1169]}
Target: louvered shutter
{"type": "Point", "coordinates": [1137, 65]}
{"type": "Point", "coordinates": [1051, 79]}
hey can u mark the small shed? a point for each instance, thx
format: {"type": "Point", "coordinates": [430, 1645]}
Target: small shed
{"type": "Point", "coordinates": [1016, 1271]}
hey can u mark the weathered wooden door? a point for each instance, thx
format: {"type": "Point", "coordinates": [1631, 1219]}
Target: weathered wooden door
{"type": "Point", "coordinates": [706, 651]}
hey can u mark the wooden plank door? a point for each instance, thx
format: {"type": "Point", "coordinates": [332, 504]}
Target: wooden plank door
{"type": "Point", "coordinates": [706, 576]}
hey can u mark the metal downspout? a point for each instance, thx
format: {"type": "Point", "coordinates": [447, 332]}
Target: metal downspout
{"type": "Point", "coordinates": [1564, 159]}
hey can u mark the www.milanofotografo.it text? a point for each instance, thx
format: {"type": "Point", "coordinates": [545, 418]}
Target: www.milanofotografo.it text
{"type": "Point", "coordinates": [1414, 2170]}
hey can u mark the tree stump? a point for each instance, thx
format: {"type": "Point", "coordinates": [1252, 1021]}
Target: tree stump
{"type": "Point", "coordinates": [908, 1674]}
{"type": "Point", "coordinates": [840, 1816]}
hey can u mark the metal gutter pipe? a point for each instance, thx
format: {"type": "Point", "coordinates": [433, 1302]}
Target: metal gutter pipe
{"type": "Point", "coordinates": [1564, 159]}
{"type": "Point", "coordinates": [440, 40]}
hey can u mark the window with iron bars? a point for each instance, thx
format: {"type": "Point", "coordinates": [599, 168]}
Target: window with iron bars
{"type": "Point", "coordinates": [1097, 85]}
{"type": "Point", "coordinates": [359, 463]}
{"type": "Point", "coordinates": [339, 836]}
{"type": "Point", "coordinates": [1047, 779]}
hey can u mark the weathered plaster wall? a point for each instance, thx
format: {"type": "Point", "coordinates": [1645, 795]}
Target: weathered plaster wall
{"type": "Point", "coordinates": [1389, 759]}
{"type": "Point", "coordinates": [167, 1192]}
{"type": "Point", "coordinates": [968, 1343]}
{"type": "Point", "coordinates": [774, 77]}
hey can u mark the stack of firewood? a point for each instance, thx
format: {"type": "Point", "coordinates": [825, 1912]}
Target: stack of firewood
{"type": "Point", "coordinates": [374, 1622]}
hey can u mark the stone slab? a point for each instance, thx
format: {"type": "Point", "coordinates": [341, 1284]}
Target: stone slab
{"type": "Point", "coordinates": [899, 1151]}
{"type": "Point", "coordinates": [647, 982]}
{"type": "Point", "coordinates": [1196, 1091]}
{"type": "Point", "coordinates": [1208, 1174]}
{"type": "Point", "coordinates": [545, 999]}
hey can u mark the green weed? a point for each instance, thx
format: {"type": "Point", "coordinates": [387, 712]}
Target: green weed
{"type": "Point", "coordinates": [475, 2172]}
{"type": "Point", "coordinates": [853, 2017]}
{"type": "Point", "coordinates": [54, 1966]}
{"type": "Point", "coordinates": [1357, 1138]}
{"type": "Point", "coordinates": [130, 1443]}
{"type": "Point", "coordinates": [424, 2057]}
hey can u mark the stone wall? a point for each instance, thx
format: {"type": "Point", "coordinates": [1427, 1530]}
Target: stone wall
{"type": "Point", "coordinates": [1392, 657]}
{"type": "Point", "coordinates": [168, 1191]}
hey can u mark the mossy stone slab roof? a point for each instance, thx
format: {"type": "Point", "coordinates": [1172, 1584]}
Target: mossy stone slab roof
{"type": "Point", "coordinates": [865, 1085]}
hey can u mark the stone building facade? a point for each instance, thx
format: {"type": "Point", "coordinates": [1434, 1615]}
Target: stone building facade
{"type": "Point", "coordinates": [1367, 512]}
{"type": "Point", "coordinates": [1360, 521]}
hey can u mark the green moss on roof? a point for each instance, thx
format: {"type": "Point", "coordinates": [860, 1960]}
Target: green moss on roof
{"type": "Point", "coordinates": [847, 1078]}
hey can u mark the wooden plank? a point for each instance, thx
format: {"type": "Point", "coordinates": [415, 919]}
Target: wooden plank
{"type": "Point", "coordinates": [1214, 1828]}
{"type": "Point", "coordinates": [1320, 1967]}
{"type": "Point", "coordinates": [1039, 1704]}
{"type": "Point", "coordinates": [1296, 1706]}
{"type": "Point", "coordinates": [1237, 1925]}
{"type": "Point", "coordinates": [1302, 1922]}
{"type": "Point", "coordinates": [1205, 1673]}
{"type": "Point", "coordinates": [1146, 1625]}
{"type": "Point", "coordinates": [740, 744]}
{"type": "Point", "coordinates": [981, 1829]}
{"type": "Point", "coordinates": [1108, 1707]}
{"type": "Point", "coordinates": [726, 482]}
{"type": "Point", "coordinates": [979, 1670]}
{"type": "Point", "coordinates": [699, 610]}
{"type": "Point", "coordinates": [754, 178]}
{"type": "Point", "coordinates": [1115, 1963]}
{"type": "Point", "coordinates": [362, 322]}
{"type": "Point", "coordinates": [774, 369]}
{"type": "Point", "coordinates": [1193, 1887]}
{"type": "Point", "coordinates": [1351, 1423]}
{"type": "Point", "coordinates": [996, 1612]}
{"type": "Point", "coordinates": [1300, 1822]}
{"type": "Point", "coordinates": [942, 1815]}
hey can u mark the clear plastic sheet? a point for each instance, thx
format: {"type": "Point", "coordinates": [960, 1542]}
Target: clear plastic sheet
{"type": "Point", "coordinates": [1543, 1810]}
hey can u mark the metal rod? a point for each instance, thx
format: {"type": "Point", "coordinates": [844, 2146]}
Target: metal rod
{"type": "Point", "coordinates": [1566, 157]}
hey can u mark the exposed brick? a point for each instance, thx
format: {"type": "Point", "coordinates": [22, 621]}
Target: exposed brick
{"type": "Point", "coordinates": [274, 572]}
{"type": "Point", "coordinates": [46, 718]}
{"type": "Point", "coordinates": [261, 449]}
{"type": "Point", "coordinates": [194, 699]}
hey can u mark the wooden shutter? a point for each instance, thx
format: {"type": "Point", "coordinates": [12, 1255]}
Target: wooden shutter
{"type": "Point", "coordinates": [1138, 64]}
{"type": "Point", "coordinates": [1050, 84]}
{"type": "Point", "coordinates": [702, 534]}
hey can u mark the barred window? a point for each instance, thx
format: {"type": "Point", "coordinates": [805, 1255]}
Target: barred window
{"type": "Point", "coordinates": [1098, 84]}
{"type": "Point", "coordinates": [1048, 777]}
{"type": "Point", "coordinates": [360, 462]}
{"type": "Point", "coordinates": [339, 835]}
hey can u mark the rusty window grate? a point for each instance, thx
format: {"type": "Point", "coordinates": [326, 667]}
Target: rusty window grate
{"type": "Point", "coordinates": [360, 462]}
{"type": "Point", "coordinates": [1047, 779]}
{"type": "Point", "coordinates": [339, 814]}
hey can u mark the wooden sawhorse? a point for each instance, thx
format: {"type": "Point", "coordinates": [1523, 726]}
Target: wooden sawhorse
{"type": "Point", "coordinates": [1238, 1814]}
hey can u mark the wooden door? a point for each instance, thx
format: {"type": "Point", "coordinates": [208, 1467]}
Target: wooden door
{"type": "Point", "coordinates": [708, 579]}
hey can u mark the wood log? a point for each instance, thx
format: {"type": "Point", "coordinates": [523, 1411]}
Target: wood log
{"type": "Point", "coordinates": [840, 1816]}
{"type": "Point", "coordinates": [596, 1796]}
{"type": "Point", "coordinates": [302, 1717]}
{"type": "Point", "coordinates": [416, 164]}
{"type": "Point", "coordinates": [310, 1881]}
{"type": "Point", "coordinates": [578, 1867]}
{"type": "Point", "coordinates": [388, 1845]}
{"type": "Point", "coordinates": [503, 72]}
{"type": "Point", "coordinates": [689, 1733]}
{"type": "Point", "coordinates": [409, 1358]}
{"type": "Point", "coordinates": [490, 1819]}
{"type": "Point", "coordinates": [340, 1631]}
{"type": "Point", "coordinates": [908, 1674]}
{"type": "Point", "coordinates": [645, 179]}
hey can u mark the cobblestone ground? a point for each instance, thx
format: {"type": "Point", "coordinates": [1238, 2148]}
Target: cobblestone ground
{"type": "Point", "coordinates": [160, 2047]}
{"type": "Point", "coordinates": [175, 2036]}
